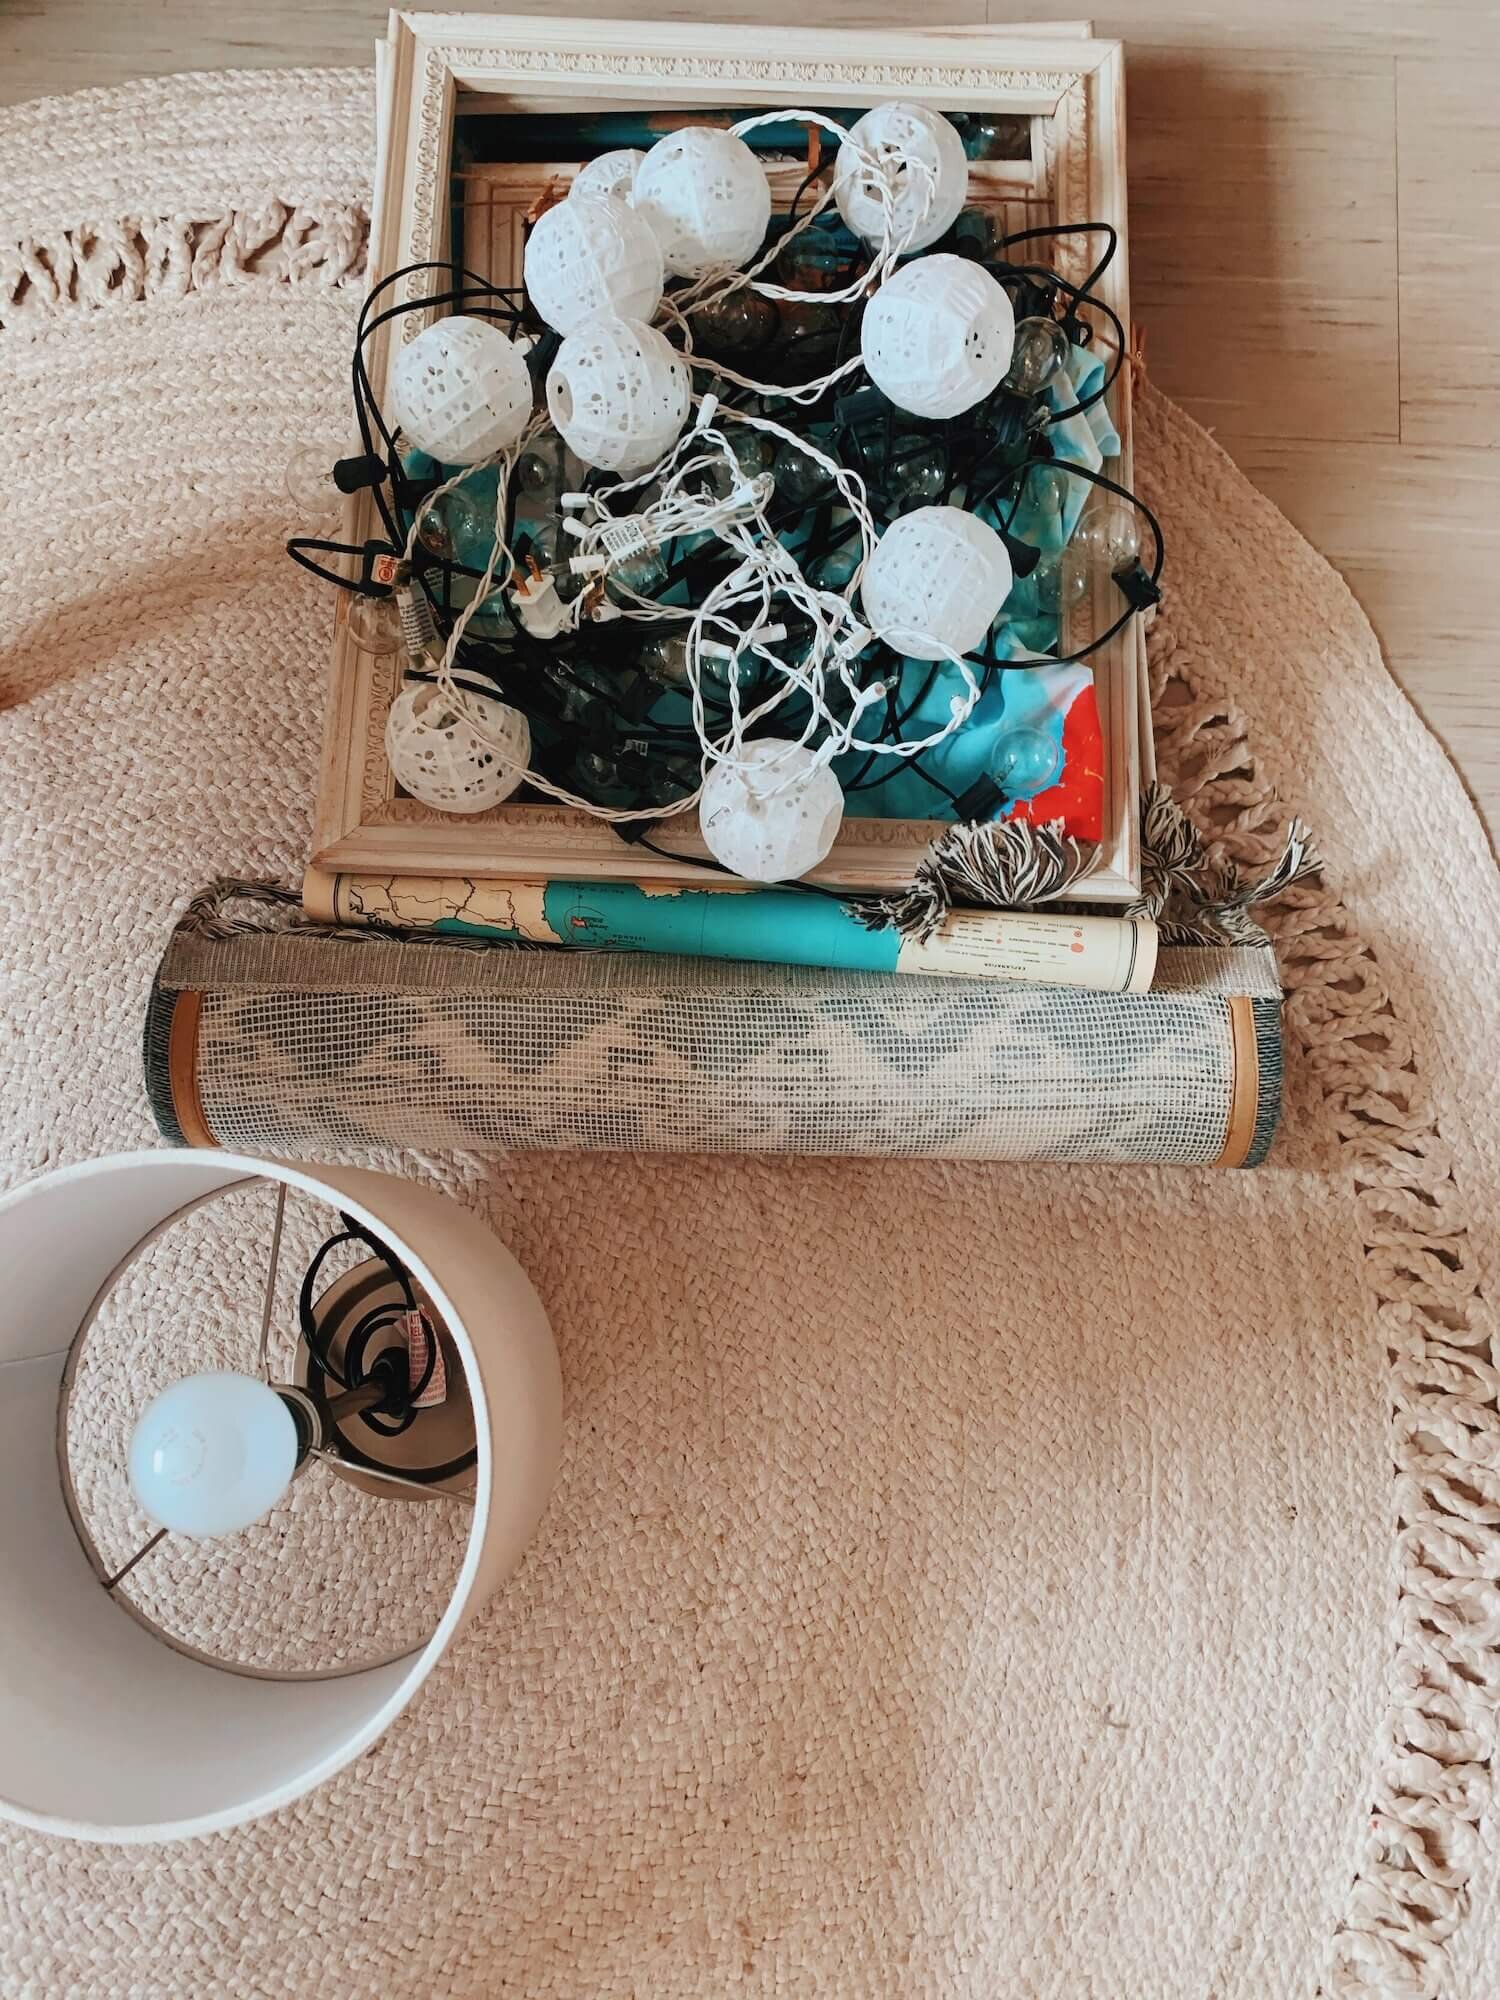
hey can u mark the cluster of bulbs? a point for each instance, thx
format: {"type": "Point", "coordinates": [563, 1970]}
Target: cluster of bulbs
{"type": "Point", "coordinates": [938, 336]}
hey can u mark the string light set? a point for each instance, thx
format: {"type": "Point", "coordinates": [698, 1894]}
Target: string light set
{"type": "Point", "coordinates": [743, 516]}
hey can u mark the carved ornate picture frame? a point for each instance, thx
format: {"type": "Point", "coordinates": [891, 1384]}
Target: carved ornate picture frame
{"type": "Point", "coordinates": [1069, 87]}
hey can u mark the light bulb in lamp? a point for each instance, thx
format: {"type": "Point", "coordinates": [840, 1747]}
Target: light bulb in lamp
{"type": "Point", "coordinates": [213, 1453]}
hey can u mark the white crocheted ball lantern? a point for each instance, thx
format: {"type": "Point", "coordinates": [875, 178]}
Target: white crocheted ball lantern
{"type": "Point", "coordinates": [762, 827]}
{"type": "Point", "coordinates": [920, 157]}
{"type": "Point", "coordinates": [707, 197]}
{"type": "Point", "coordinates": [937, 337]}
{"type": "Point", "coordinates": [589, 257]}
{"type": "Point", "coordinates": [461, 391]}
{"type": "Point", "coordinates": [611, 173]}
{"type": "Point", "coordinates": [440, 757]}
{"type": "Point", "coordinates": [619, 393]}
{"type": "Point", "coordinates": [936, 582]}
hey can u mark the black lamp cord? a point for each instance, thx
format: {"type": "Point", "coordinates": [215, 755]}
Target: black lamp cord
{"type": "Point", "coordinates": [397, 1409]}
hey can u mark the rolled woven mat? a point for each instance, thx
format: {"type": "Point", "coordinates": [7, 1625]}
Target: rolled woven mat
{"type": "Point", "coordinates": [965, 1578]}
{"type": "Point", "coordinates": [294, 1041]}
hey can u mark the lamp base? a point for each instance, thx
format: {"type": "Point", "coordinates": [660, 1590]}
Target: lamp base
{"type": "Point", "coordinates": [435, 1454]}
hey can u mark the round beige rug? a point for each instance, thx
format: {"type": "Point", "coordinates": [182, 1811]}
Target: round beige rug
{"type": "Point", "coordinates": [1057, 1584]}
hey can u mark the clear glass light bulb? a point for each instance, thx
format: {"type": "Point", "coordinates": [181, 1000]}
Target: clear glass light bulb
{"type": "Point", "coordinates": [1041, 349]}
{"type": "Point", "coordinates": [1108, 533]}
{"type": "Point", "coordinates": [1027, 761]}
{"type": "Point", "coordinates": [1057, 584]}
{"type": "Point", "coordinates": [642, 576]}
{"type": "Point", "coordinates": [309, 482]}
{"type": "Point", "coordinates": [451, 525]}
{"type": "Point", "coordinates": [373, 624]}
{"type": "Point", "coordinates": [213, 1453]}
{"type": "Point", "coordinates": [665, 659]}
{"type": "Point", "coordinates": [799, 477]}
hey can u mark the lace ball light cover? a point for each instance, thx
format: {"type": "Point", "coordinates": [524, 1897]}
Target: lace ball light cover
{"type": "Point", "coordinates": [610, 173]}
{"type": "Point", "coordinates": [440, 757]}
{"type": "Point", "coordinates": [619, 394]}
{"type": "Point", "coordinates": [592, 256]}
{"type": "Point", "coordinates": [936, 582]}
{"type": "Point", "coordinates": [707, 197]}
{"type": "Point", "coordinates": [461, 391]}
{"type": "Point", "coordinates": [762, 827]}
{"type": "Point", "coordinates": [937, 337]}
{"type": "Point", "coordinates": [898, 135]}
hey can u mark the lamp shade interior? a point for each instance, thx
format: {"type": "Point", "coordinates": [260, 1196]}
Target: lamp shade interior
{"type": "Point", "coordinates": [105, 1731]}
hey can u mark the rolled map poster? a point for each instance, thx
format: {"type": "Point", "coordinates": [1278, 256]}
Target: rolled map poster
{"type": "Point", "coordinates": [761, 926]}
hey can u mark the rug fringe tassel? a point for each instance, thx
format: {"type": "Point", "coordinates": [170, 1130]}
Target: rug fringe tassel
{"type": "Point", "coordinates": [1197, 900]}
{"type": "Point", "coordinates": [992, 864]}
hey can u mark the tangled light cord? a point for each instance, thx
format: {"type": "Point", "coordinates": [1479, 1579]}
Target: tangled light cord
{"type": "Point", "coordinates": [762, 640]}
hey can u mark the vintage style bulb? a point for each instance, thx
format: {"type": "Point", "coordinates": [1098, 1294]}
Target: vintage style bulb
{"type": "Point", "coordinates": [920, 157]}
{"type": "Point", "coordinates": [619, 394]}
{"type": "Point", "coordinates": [762, 827]}
{"type": "Point", "coordinates": [735, 324]}
{"type": "Point", "coordinates": [309, 482]}
{"type": "Point", "coordinates": [707, 197]}
{"type": "Point", "coordinates": [644, 575]}
{"type": "Point", "coordinates": [448, 524]}
{"type": "Point", "coordinates": [937, 337]}
{"type": "Point", "coordinates": [212, 1453]}
{"type": "Point", "coordinates": [936, 582]}
{"type": "Point", "coordinates": [589, 257]}
{"type": "Point", "coordinates": [1056, 585]}
{"type": "Point", "coordinates": [799, 477]}
{"type": "Point", "coordinates": [440, 757]}
{"type": "Point", "coordinates": [1041, 352]}
{"type": "Point", "coordinates": [1027, 761]}
{"type": "Point", "coordinates": [461, 391]}
{"type": "Point", "coordinates": [373, 624]}
{"type": "Point", "coordinates": [612, 173]}
{"type": "Point", "coordinates": [1108, 534]}
{"type": "Point", "coordinates": [665, 659]}
{"type": "Point", "coordinates": [918, 470]}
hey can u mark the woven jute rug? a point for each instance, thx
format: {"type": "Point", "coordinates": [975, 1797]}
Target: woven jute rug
{"type": "Point", "coordinates": [963, 1580]}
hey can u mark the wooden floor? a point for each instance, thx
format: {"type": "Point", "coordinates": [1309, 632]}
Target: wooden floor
{"type": "Point", "coordinates": [1315, 208]}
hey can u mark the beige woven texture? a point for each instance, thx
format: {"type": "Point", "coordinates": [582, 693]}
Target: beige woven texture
{"type": "Point", "coordinates": [963, 1580]}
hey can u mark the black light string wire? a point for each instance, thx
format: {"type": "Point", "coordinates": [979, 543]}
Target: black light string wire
{"type": "Point", "coordinates": [585, 666]}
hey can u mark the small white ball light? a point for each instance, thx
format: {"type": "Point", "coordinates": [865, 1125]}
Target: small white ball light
{"type": "Point", "coordinates": [937, 337]}
{"type": "Point", "coordinates": [611, 173]}
{"type": "Point", "coordinates": [917, 150]}
{"type": "Point", "coordinates": [589, 257]}
{"type": "Point", "coordinates": [213, 1453]}
{"type": "Point", "coordinates": [461, 391]}
{"type": "Point", "coordinates": [619, 394]}
{"type": "Point", "coordinates": [936, 582]}
{"type": "Point", "coordinates": [444, 761]}
{"type": "Point", "coordinates": [707, 197]}
{"type": "Point", "coordinates": [762, 827]}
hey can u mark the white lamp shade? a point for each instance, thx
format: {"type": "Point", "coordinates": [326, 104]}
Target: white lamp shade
{"type": "Point", "coordinates": [592, 256]}
{"type": "Point", "coordinates": [707, 197]}
{"type": "Point", "coordinates": [930, 167]}
{"type": "Point", "coordinates": [444, 760]}
{"type": "Point", "coordinates": [937, 337]}
{"type": "Point", "coordinates": [619, 394]}
{"type": "Point", "coordinates": [107, 1733]}
{"type": "Point", "coordinates": [936, 582]}
{"type": "Point", "coordinates": [460, 390]}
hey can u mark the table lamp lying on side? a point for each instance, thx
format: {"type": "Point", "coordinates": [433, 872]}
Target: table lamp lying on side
{"type": "Point", "coordinates": [425, 1369]}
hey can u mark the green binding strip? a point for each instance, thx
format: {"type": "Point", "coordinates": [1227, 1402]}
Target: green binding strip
{"type": "Point", "coordinates": [156, 1047]}
{"type": "Point", "coordinates": [1268, 1050]}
